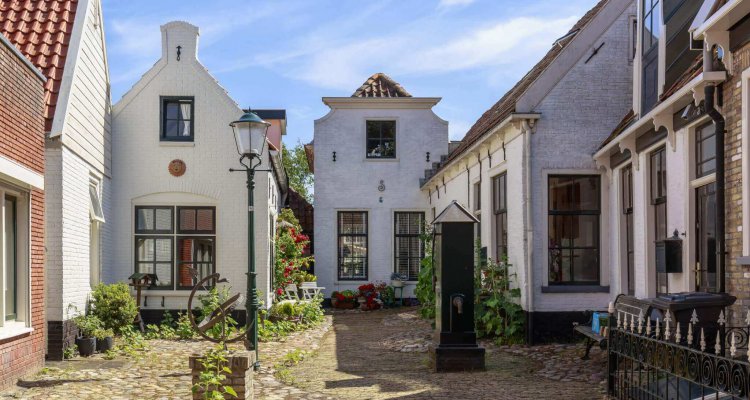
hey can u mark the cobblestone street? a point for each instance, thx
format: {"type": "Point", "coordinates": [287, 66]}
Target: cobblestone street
{"type": "Point", "coordinates": [373, 355]}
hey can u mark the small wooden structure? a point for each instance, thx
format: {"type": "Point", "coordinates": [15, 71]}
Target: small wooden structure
{"type": "Point", "coordinates": [140, 280]}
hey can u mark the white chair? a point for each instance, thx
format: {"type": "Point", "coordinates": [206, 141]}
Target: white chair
{"type": "Point", "coordinates": [309, 292]}
{"type": "Point", "coordinates": [291, 292]}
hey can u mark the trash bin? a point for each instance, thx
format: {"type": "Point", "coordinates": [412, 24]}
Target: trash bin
{"type": "Point", "coordinates": [707, 306]}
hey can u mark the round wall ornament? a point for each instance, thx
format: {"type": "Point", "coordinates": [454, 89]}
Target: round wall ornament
{"type": "Point", "coordinates": [381, 187]}
{"type": "Point", "coordinates": [177, 167]}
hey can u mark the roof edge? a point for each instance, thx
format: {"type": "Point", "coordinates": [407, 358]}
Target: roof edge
{"type": "Point", "coordinates": [368, 102]}
{"type": "Point", "coordinates": [23, 58]}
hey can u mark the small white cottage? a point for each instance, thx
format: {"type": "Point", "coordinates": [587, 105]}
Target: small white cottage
{"type": "Point", "coordinates": [370, 151]}
{"type": "Point", "coordinates": [176, 205]}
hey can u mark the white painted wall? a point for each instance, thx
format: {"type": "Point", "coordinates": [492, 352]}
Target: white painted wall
{"type": "Point", "coordinates": [141, 160]}
{"type": "Point", "coordinates": [351, 183]}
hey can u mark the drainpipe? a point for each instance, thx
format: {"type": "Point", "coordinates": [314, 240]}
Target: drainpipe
{"type": "Point", "coordinates": [718, 119]}
{"type": "Point", "coordinates": [527, 127]}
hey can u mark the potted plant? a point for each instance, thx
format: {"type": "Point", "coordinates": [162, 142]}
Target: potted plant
{"type": "Point", "coordinates": [397, 280]}
{"type": "Point", "coordinates": [104, 339]}
{"type": "Point", "coordinates": [343, 300]}
{"type": "Point", "coordinates": [308, 280]}
{"type": "Point", "coordinates": [86, 340]}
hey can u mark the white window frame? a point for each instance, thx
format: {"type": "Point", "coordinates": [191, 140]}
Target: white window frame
{"type": "Point", "coordinates": [22, 323]}
{"type": "Point", "coordinates": [96, 215]}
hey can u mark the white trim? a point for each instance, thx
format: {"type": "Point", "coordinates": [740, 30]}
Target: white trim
{"type": "Point", "coordinates": [12, 330]}
{"type": "Point", "coordinates": [20, 174]}
{"type": "Point", "coordinates": [721, 14]}
{"type": "Point", "coordinates": [381, 102]}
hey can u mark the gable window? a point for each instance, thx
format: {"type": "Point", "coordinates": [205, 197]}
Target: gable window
{"type": "Point", "coordinates": [352, 245]}
{"type": "Point", "coordinates": [500, 211]}
{"type": "Point", "coordinates": [626, 184]}
{"type": "Point", "coordinates": [573, 223]}
{"type": "Point", "coordinates": [658, 164]}
{"type": "Point", "coordinates": [381, 139]}
{"type": "Point", "coordinates": [409, 250]}
{"type": "Point", "coordinates": [177, 119]}
{"type": "Point", "coordinates": [650, 32]}
{"type": "Point", "coordinates": [189, 243]}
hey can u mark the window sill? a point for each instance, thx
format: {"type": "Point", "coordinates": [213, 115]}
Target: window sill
{"type": "Point", "coordinates": [166, 143]}
{"type": "Point", "coordinates": [575, 289]}
{"type": "Point", "coordinates": [381, 159]}
{"type": "Point", "coordinates": [13, 330]}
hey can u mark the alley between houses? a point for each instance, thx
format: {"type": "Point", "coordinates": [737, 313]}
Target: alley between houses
{"type": "Point", "coordinates": [352, 355]}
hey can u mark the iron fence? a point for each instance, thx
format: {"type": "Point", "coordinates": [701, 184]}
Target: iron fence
{"type": "Point", "coordinates": [671, 360]}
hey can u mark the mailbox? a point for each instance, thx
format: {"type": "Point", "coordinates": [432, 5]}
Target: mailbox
{"type": "Point", "coordinates": [669, 254]}
{"type": "Point", "coordinates": [455, 341]}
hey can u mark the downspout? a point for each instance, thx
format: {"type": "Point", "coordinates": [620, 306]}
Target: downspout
{"type": "Point", "coordinates": [719, 123]}
{"type": "Point", "coordinates": [527, 127]}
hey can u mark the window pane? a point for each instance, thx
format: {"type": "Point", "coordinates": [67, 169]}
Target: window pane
{"type": "Point", "coordinates": [144, 249]}
{"type": "Point", "coordinates": [173, 110]}
{"type": "Point", "coordinates": [183, 128]}
{"type": "Point", "coordinates": [164, 274]}
{"type": "Point", "coordinates": [380, 139]}
{"type": "Point", "coordinates": [409, 223]}
{"type": "Point", "coordinates": [187, 219]}
{"type": "Point", "coordinates": [164, 219]}
{"type": "Point", "coordinates": [185, 107]}
{"type": "Point", "coordinates": [171, 128]}
{"type": "Point", "coordinates": [11, 265]}
{"type": "Point", "coordinates": [163, 249]}
{"type": "Point", "coordinates": [352, 246]}
{"type": "Point", "coordinates": [660, 221]}
{"type": "Point", "coordinates": [352, 223]}
{"type": "Point", "coordinates": [205, 219]}
{"type": "Point", "coordinates": [573, 193]}
{"type": "Point", "coordinates": [586, 230]}
{"type": "Point", "coordinates": [586, 265]}
{"type": "Point", "coordinates": [144, 219]}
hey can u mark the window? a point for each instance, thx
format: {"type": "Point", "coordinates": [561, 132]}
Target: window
{"type": "Point", "coordinates": [478, 196]}
{"type": "Point", "coordinates": [96, 215]}
{"type": "Point", "coordinates": [14, 259]}
{"type": "Point", "coordinates": [10, 236]}
{"type": "Point", "coordinates": [352, 245]}
{"type": "Point", "coordinates": [658, 164]}
{"type": "Point", "coordinates": [626, 184]}
{"type": "Point", "coordinates": [573, 219]}
{"type": "Point", "coordinates": [381, 139]}
{"type": "Point", "coordinates": [651, 24]}
{"type": "Point", "coordinates": [159, 245]}
{"type": "Point", "coordinates": [500, 211]}
{"type": "Point", "coordinates": [705, 150]}
{"type": "Point", "coordinates": [177, 119]}
{"type": "Point", "coordinates": [409, 250]}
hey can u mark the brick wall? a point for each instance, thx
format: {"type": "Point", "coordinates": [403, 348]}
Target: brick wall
{"type": "Point", "coordinates": [22, 140]}
{"type": "Point", "coordinates": [738, 276]}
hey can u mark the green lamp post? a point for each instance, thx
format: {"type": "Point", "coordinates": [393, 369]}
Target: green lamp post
{"type": "Point", "coordinates": [250, 134]}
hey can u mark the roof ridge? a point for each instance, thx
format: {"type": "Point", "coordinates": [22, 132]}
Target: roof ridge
{"type": "Point", "coordinates": [381, 85]}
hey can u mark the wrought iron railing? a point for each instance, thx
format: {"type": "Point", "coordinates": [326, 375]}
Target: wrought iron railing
{"type": "Point", "coordinates": [669, 360]}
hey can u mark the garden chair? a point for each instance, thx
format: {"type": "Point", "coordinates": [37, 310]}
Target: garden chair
{"type": "Point", "coordinates": [291, 292]}
{"type": "Point", "coordinates": [309, 292]}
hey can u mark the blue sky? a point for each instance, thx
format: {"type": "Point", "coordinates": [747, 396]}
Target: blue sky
{"type": "Point", "coordinates": [290, 53]}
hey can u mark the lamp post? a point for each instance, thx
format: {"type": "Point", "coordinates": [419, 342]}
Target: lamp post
{"type": "Point", "coordinates": [247, 131]}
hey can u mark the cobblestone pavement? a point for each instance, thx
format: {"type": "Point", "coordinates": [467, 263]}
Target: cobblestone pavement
{"type": "Point", "coordinates": [364, 355]}
{"type": "Point", "coordinates": [161, 373]}
{"type": "Point", "coordinates": [383, 355]}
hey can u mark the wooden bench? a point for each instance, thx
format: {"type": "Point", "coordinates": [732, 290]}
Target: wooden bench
{"type": "Point", "coordinates": [591, 338]}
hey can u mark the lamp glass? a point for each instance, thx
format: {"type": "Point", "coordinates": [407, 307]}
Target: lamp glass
{"type": "Point", "coordinates": [249, 126]}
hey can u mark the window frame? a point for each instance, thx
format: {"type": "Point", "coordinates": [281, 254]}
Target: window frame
{"type": "Point", "coordinates": [648, 12]}
{"type": "Point", "coordinates": [366, 235]}
{"type": "Point", "coordinates": [163, 100]}
{"type": "Point", "coordinates": [576, 213]}
{"type": "Point", "coordinates": [174, 234]}
{"type": "Point", "coordinates": [626, 179]}
{"type": "Point", "coordinates": [21, 321]}
{"type": "Point", "coordinates": [698, 146]}
{"type": "Point", "coordinates": [397, 235]}
{"type": "Point", "coordinates": [500, 214]}
{"type": "Point", "coordinates": [380, 138]}
{"type": "Point", "coordinates": [658, 203]}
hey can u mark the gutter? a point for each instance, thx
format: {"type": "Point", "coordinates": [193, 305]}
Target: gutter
{"type": "Point", "coordinates": [513, 117]}
{"type": "Point", "coordinates": [528, 239]}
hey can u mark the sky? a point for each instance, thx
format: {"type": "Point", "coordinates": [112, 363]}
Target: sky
{"type": "Point", "coordinates": [290, 53]}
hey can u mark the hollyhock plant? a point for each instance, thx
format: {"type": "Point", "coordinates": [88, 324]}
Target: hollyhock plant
{"type": "Point", "coordinates": [291, 265]}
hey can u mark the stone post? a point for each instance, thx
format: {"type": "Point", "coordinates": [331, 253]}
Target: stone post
{"type": "Point", "coordinates": [241, 378]}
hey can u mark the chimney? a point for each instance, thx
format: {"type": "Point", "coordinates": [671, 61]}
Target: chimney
{"type": "Point", "coordinates": [182, 34]}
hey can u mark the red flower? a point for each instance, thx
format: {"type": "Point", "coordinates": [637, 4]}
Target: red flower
{"type": "Point", "coordinates": [279, 291]}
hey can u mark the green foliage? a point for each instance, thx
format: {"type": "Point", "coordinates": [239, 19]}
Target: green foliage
{"type": "Point", "coordinates": [388, 295]}
{"type": "Point", "coordinates": [165, 330]}
{"type": "Point", "coordinates": [291, 263]}
{"type": "Point", "coordinates": [184, 329]}
{"type": "Point", "coordinates": [87, 325]}
{"type": "Point", "coordinates": [131, 343]}
{"type": "Point", "coordinates": [424, 290]}
{"type": "Point", "coordinates": [300, 176]}
{"type": "Point", "coordinates": [210, 302]}
{"type": "Point", "coordinates": [290, 359]}
{"type": "Point", "coordinates": [113, 305]}
{"type": "Point", "coordinates": [215, 367]}
{"type": "Point", "coordinates": [290, 317]}
{"type": "Point", "coordinates": [101, 333]}
{"type": "Point", "coordinates": [497, 311]}
{"type": "Point", "coordinates": [70, 351]}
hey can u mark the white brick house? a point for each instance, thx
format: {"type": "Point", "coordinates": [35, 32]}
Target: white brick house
{"type": "Point", "coordinates": [370, 151]}
{"type": "Point", "coordinates": [175, 203]}
{"type": "Point", "coordinates": [526, 170]}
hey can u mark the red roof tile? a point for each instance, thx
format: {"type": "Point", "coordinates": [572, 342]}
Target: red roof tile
{"type": "Point", "coordinates": [41, 30]}
{"type": "Point", "coordinates": [507, 104]}
{"type": "Point", "coordinates": [381, 85]}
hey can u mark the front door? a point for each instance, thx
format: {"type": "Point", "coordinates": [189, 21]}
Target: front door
{"type": "Point", "coordinates": [706, 277]}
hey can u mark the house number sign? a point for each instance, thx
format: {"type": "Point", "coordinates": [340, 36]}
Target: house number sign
{"type": "Point", "coordinates": [177, 168]}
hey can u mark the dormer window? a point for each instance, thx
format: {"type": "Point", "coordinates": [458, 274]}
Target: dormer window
{"type": "Point", "coordinates": [381, 139]}
{"type": "Point", "coordinates": [651, 24]}
{"type": "Point", "coordinates": [177, 119]}
{"type": "Point", "coordinates": [650, 31]}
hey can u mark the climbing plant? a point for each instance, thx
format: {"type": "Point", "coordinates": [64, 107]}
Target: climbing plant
{"type": "Point", "coordinates": [425, 291]}
{"type": "Point", "coordinates": [291, 263]}
{"type": "Point", "coordinates": [497, 311]}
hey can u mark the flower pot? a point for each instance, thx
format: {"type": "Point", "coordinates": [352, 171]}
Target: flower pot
{"type": "Point", "coordinates": [86, 346]}
{"type": "Point", "coordinates": [106, 344]}
{"type": "Point", "coordinates": [334, 302]}
{"type": "Point", "coordinates": [397, 283]}
{"type": "Point", "coordinates": [309, 284]}
{"type": "Point", "coordinates": [345, 305]}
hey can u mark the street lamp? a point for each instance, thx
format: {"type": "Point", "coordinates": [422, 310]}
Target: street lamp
{"type": "Point", "coordinates": [248, 130]}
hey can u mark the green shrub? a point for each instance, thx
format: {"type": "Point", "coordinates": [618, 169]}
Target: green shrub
{"type": "Point", "coordinates": [425, 291]}
{"type": "Point", "coordinates": [113, 305]}
{"type": "Point", "coordinates": [184, 328]}
{"type": "Point", "coordinates": [210, 302]}
{"type": "Point", "coordinates": [101, 333]}
{"type": "Point", "coordinates": [87, 325]}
